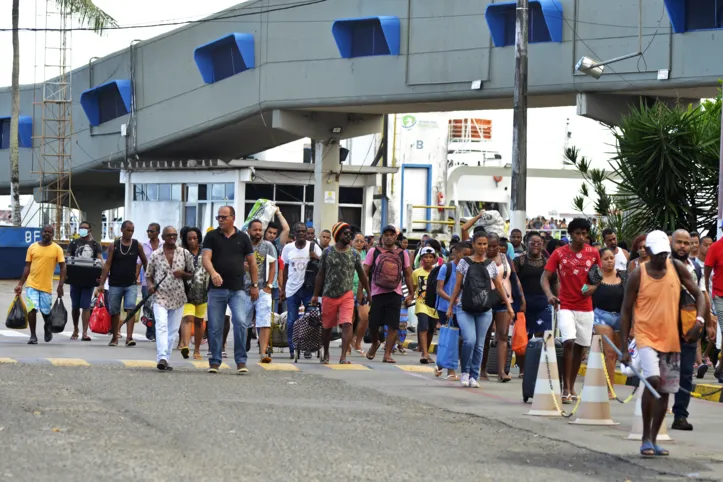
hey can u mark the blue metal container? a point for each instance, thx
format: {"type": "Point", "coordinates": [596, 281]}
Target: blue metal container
{"type": "Point", "coordinates": [14, 243]}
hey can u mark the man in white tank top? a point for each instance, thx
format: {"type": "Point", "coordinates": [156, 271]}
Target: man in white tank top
{"type": "Point", "coordinates": [621, 256]}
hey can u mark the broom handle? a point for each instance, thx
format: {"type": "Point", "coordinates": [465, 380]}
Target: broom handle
{"type": "Point", "coordinates": [640, 374]}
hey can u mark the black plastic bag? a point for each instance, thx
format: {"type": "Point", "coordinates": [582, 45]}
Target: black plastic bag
{"type": "Point", "coordinates": [58, 317]}
{"type": "Point", "coordinates": [17, 315]}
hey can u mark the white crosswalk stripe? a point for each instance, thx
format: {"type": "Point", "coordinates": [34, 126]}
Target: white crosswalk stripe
{"type": "Point", "coordinates": [67, 334]}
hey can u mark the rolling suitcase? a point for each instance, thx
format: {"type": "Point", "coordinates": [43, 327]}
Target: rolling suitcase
{"type": "Point", "coordinates": [306, 334]}
{"type": "Point", "coordinates": [83, 272]}
{"type": "Point", "coordinates": [492, 357]}
{"type": "Point", "coordinates": [532, 364]}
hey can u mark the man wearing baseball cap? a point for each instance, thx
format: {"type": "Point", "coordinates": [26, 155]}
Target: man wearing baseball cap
{"type": "Point", "coordinates": [652, 294]}
{"type": "Point", "coordinates": [386, 265]}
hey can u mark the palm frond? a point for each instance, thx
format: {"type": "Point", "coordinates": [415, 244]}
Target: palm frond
{"type": "Point", "coordinates": [88, 13]}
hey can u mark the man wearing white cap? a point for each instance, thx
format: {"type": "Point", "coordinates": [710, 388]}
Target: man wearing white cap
{"type": "Point", "coordinates": [653, 295]}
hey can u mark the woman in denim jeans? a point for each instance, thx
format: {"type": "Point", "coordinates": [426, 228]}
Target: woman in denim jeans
{"type": "Point", "coordinates": [474, 326]}
{"type": "Point", "coordinates": [607, 299]}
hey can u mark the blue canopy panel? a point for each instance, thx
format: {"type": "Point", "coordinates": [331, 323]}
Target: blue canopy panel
{"type": "Point", "coordinates": [107, 101]}
{"type": "Point", "coordinates": [689, 15]}
{"type": "Point", "coordinates": [225, 56]}
{"type": "Point", "coordinates": [25, 132]}
{"type": "Point", "coordinates": [363, 37]}
{"type": "Point", "coordinates": [545, 22]}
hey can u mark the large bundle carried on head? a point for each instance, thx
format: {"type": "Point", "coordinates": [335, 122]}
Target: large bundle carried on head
{"type": "Point", "coordinates": [492, 222]}
{"type": "Point", "coordinates": [263, 210]}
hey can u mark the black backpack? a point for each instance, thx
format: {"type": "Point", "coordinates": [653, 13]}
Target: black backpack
{"type": "Point", "coordinates": [478, 296]}
{"type": "Point", "coordinates": [312, 269]}
{"type": "Point", "coordinates": [430, 298]}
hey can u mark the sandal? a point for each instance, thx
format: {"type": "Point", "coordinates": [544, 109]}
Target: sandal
{"type": "Point", "coordinates": [343, 362]}
{"type": "Point", "coordinates": [424, 361]}
{"type": "Point", "coordinates": [184, 352]}
{"type": "Point", "coordinates": [373, 350]}
{"type": "Point", "coordinates": [131, 343]}
{"type": "Point", "coordinates": [113, 343]}
{"type": "Point", "coordinates": [197, 356]}
{"type": "Point", "coordinates": [484, 376]}
{"type": "Point", "coordinates": [647, 449]}
{"type": "Point", "coordinates": [452, 378]}
{"type": "Point", "coordinates": [660, 451]}
{"type": "Point", "coordinates": [567, 399]}
{"type": "Point", "coordinates": [389, 360]}
{"type": "Point", "coordinates": [324, 361]}
{"type": "Point", "coordinates": [266, 359]}
{"type": "Point", "coordinates": [437, 372]}
{"type": "Point", "coordinates": [402, 350]}
{"type": "Point", "coordinates": [86, 338]}
{"type": "Point", "coordinates": [360, 351]}
{"type": "Point", "coordinates": [74, 336]}
{"type": "Point", "coordinates": [504, 379]}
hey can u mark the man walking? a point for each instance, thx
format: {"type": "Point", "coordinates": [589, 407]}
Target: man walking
{"type": "Point", "coordinates": [335, 281]}
{"type": "Point", "coordinates": [652, 297]}
{"type": "Point", "coordinates": [225, 250]}
{"type": "Point", "coordinates": [168, 267]}
{"type": "Point", "coordinates": [386, 265]}
{"type": "Point", "coordinates": [122, 275]}
{"type": "Point", "coordinates": [153, 243]}
{"type": "Point", "coordinates": [265, 258]}
{"type": "Point", "coordinates": [297, 286]}
{"type": "Point", "coordinates": [572, 263]}
{"type": "Point", "coordinates": [40, 262]}
{"type": "Point", "coordinates": [84, 247]}
{"type": "Point", "coordinates": [681, 251]}
{"type": "Point", "coordinates": [621, 256]}
{"type": "Point", "coordinates": [516, 241]}
{"type": "Point", "coordinates": [325, 239]}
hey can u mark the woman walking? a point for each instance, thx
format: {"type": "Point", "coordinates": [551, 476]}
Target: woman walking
{"type": "Point", "coordinates": [474, 325]}
{"type": "Point", "coordinates": [197, 294]}
{"type": "Point", "coordinates": [607, 299]}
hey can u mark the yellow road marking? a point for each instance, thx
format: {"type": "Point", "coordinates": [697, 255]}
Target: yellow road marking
{"type": "Point", "coordinates": [352, 367]}
{"type": "Point", "coordinates": [68, 362]}
{"type": "Point", "coordinates": [7, 360]}
{"type": "Point", "coordinates": [139, 363]}
{"type": "Point", "coordinates": [279, 367]}
{"type": "Point", "coordinates": [416, 368]}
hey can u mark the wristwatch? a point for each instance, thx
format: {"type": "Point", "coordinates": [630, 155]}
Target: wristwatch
{"type": "Point", "coordinates": [700, 318]}
{"type": "Point", "coordinates": [254, 285]}
{"type": "Point", "coordinates": [270, 286]}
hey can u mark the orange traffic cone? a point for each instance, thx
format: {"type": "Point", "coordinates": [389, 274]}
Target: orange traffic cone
{"type": "Point", "coordinates": [637, 432]}
{"type": "Point", "coordinates": [547, 399]}
{"type": "Point", "coordinates": [594, 406]}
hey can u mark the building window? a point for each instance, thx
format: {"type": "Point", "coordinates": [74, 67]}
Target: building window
{"type": "Point", "coordinates": [703, 14]}
{"type": "Point", "coordinates": [202, 202]}
{"type": "Point", "coordinates": [157, 192]}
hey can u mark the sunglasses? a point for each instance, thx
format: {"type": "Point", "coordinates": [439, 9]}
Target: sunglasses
{"type": "Point", "coordinates": [222, 218]}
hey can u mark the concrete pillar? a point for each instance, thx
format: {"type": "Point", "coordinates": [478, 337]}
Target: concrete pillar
{"type": "Point", "coordinates": [326, 184]}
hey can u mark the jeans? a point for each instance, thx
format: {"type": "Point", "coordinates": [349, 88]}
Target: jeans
{"type": "Point", "coordinates": [687, 360]}
{"type": "Point", "coordinates": [474, 328]}
{"type": "Point", "coordinates": [293, 302]}
{"type": "Point", "coordinates": [167, 324]}
{"type": "Point", "coordinates": [218, 299]}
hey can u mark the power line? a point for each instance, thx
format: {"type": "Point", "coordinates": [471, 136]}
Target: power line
{"type": "Point", "coordinates": [225, 19]}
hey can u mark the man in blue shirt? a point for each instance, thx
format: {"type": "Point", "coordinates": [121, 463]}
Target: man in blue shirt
{"type": "Point", "coordinates": [445, 287]}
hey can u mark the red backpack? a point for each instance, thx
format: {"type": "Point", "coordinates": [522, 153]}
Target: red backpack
{"type": "Point", "coordinates": [387, 268]}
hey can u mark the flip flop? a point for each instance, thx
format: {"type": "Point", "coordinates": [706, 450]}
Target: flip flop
{"type": "Point", "coordinates": [567, 399]}
{"type": "Point", "coordinates": [324, 361]}
{"type": "Point", "coordinates": [647, 449]}
{"type": "Point", "coordinates": [660, 451]}
{"type": "Point", "coordinates": [389, 360]}
{"type": "Point", "coordinates": [452, 378]}
{"type": "Point", "coordinates": [424, 361]}
{"type": "Point", "coordinates": [113, 343]}
{"type": "Point", "coordinates": [361, 352]}
{"type": "Point", "coordinates": [185, 352]}
{"type": "Point", "coordinates": [437, 372]}
{"type": "Point", "coordinates": [74, 336]}
{"type": "Point", "coordinates": [131, 343]}
{"type": "Point", "coordinates": [86, 338]}
{"type": "Point", "coordinates": [197, 356]}
{"type": "Point", "coordinates": [344, 362]}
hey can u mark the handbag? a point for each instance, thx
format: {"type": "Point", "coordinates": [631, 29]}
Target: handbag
{"type": "Point", "coordinates": [519, 335]}
{"type": "Point", "coordinates": [100, 317]}
{"type": "Point", "coordinates": [448, 345]}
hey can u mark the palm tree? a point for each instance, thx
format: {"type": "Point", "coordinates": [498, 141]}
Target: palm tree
{"type": "Point", "coordinates": [88, 14]}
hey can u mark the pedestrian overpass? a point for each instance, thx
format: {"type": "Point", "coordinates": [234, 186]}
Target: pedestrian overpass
{"type": "Point", "coordinates": [267, 72]}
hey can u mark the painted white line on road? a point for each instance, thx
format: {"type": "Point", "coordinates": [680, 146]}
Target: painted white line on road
{"type": "Point", "coordinates": [13, 333]}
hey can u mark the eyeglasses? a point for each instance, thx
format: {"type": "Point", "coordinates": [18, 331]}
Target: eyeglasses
{"type": "Point", "coordinates": [222, 218]}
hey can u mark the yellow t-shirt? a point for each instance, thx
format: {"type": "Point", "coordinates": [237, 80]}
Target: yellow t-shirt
{"type": "Point", "coordinates": [43, 260]}
{"type": "Point", "coordinates": [419, 277]}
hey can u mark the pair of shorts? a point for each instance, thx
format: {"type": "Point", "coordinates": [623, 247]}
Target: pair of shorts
{"type": "Point", "coordinates": [38, 300]}
{"type": "Point", "coordinates": [197, 311]}
{"type": "Point", "coordinates": [258, 310]}
{"type": "Point", "coordinates": [81, 297]}
{"type": "Point", "coordinates": [385, 311]}
{"type": "Point", "coordinates": [576, 325]}
{"type": "Point", "coordinates": [426, 323]}
{"type": "Point", "coordinates": [126, 294]}
{"type": "Point", "coordinates": [606, 318]}
{"type": "Point", "coordinates": [337, 311]}
{"type": "Point", "coordinates": [666, 366]}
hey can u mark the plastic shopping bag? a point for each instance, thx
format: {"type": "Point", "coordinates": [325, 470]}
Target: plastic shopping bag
{"type": "Point", "coordinates": [58, 317]}
{"type": "Point", "coordinates": [263, 210]}
{"type": "Point", "coordinates": [448, 346]}
{"type": "Point", "coordinates": [100, 317]}
{"type": "Point", "coordinates": [17, 315]}
{"type": "Point", "coordinates": [519, 335]}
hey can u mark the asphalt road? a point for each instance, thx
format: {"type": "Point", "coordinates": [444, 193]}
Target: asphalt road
{"type": "Point", "coordinates": [106, 423]}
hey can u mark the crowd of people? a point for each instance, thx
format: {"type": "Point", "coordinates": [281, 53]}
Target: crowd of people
{"type": "Point", "coordinates": [662, 295]}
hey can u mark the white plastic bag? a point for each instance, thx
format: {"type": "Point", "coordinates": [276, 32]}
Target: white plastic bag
{"type": "Point", "coordinates": [493, 223]}
{"type": "Point", "coordinates": [263, 210]}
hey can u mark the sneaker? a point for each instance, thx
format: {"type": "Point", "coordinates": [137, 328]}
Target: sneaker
{"type": "Point", "coordinates": [681, 424]}
{"type": "Point", "coordinates": [702, 370]}
{"type": "Point", "coordinates": [473, 383]}
{"type": "Point", "coordinates": [162, 364]}
{"type": "Point", "coordinates": [48, 333]}
{"type": "Point", "coordinates": [465, 379]}
{"type": "Point", "coordinates": [33, 340]}
{"type": "Point", "coordinates": [241, 369]}
{"type": "Point", "coordinates": [213, 369]}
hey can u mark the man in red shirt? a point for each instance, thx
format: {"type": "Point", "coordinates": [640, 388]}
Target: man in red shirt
{"type": "Point", "coordinates": [714, 266]}
{"type": "Point", "coordinates": [575, 316]}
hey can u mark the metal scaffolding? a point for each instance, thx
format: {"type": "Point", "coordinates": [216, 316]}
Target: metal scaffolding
{"type": "Point", "coordinates": [54, 155]}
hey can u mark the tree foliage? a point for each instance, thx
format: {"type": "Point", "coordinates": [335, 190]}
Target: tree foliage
{"type": "Point", "coordinates": [666, 166]}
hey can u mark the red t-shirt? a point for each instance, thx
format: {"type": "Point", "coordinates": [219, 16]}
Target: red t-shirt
{"type": "Point", "coordinates": [714, 259]}
{"type": "Point", "coordinates": [572, 269]}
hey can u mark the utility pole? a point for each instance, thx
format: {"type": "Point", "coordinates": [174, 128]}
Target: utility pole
{"type": "Point", "coordinates": [518, 203]}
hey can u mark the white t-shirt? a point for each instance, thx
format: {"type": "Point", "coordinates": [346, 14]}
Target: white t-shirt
{"type": "Point", "coordinates": [621, 262]}
{"type": "Point", "coordinates": [296, 259]}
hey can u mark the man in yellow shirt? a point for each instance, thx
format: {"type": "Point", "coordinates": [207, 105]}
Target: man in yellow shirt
{"type": "Point", "coordinates": [40, 262]}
